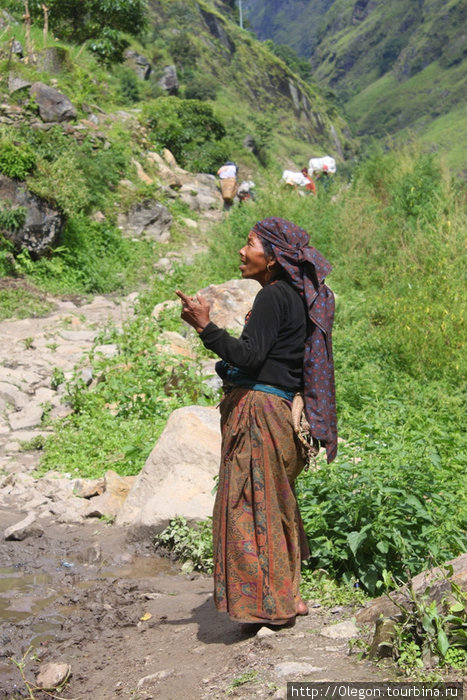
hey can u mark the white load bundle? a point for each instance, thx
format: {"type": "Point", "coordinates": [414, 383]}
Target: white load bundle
{"type": "Point", "coordinates": [292, 178]}
{"type": "Point", "coordinates": [326, 164]}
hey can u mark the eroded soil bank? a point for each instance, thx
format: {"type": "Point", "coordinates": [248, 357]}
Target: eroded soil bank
{"type": "Point", "coordinates": [132, 626]}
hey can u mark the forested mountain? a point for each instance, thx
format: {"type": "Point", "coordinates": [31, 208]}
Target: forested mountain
{"type": "Point", "coordinates": [397, 67]}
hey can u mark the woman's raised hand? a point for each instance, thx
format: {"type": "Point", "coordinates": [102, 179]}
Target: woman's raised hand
{"type": "Point", "coordinates": [195, 310]}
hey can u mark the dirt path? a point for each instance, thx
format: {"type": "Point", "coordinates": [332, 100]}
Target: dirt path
{"type": "Point", "coordinates": [78, 594]}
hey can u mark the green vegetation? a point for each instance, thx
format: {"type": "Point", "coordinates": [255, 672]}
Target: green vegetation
{"type": "Point", "coordinates": [190, 545]}
{"type": "Point", "coordinates": [189, 129]}
{"type": "Point", "coordinates": [102, 23]}
{"type": "Point", "coordinates": [428, 631]}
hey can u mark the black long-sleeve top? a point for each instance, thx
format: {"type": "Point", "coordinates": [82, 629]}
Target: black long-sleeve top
{"type": "Point", "coordinates": [270, 348]}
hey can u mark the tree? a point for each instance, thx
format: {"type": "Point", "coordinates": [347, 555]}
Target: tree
{"type": "Point", "coordinates": [100, 22]}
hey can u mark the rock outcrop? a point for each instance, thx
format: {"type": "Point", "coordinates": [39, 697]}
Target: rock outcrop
{"type": "Point", "coordinates": [42, 224]}
{"type": "Point", "coordinates": [148, 218]}
{"type": "Point", "coordinates": [53, 105]}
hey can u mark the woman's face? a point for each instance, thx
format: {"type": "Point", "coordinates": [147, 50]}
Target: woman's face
{"type": "Point", "coordinates": [253, 260]}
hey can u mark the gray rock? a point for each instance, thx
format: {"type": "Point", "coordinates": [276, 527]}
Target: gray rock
{"type": "Point", "coordinates": [177, 478]}
{"type": "Point", "coordinates": [16, 82]}
{"type": "Point", "coordinates": [10, 394]}
{"type": "Point", "coordinates": [17, 49]}
{"type": "Point", "coordinates": [230, 302]}
{"type": "Point", "coordinates": [265, 632]}
{"type": "Point", "coordinates": [87, 488]}
{"type": "Point", "coordinates": [343, 630]}
{"type": "Point", "coordinates": [53, 105]}
{"type": "Point", "coordinates": [29, 417]}
{"type": "Point", "coordinates": [155, 677]}
{"type": "Point", "coordinates": [169, 80]}
{"type": "Point", "coordinates": [53, 59]}
{"type": "Point", "coordinates": [109, 349]}
{"type": "Point", "coordinates": [295, 668]}
{"type": "Point", "coordinates": [383, 639]}
{"type": "Point", "coordinates": [77, 336]}
{"type": "Point", "coordinates": [87, 375]}
{"type": "Point", "coordinates": [43, 224]}
{"type": "Point", "coordinates": [52, 675]}
{"type": "Point", "coordinates": [25, 528]}
{"type": "Point", "coordinates": [138, 63]}
{"type": "Point", "coordinates": [149, 218]}
{"type": "Point", "coordinates": [199, 197]}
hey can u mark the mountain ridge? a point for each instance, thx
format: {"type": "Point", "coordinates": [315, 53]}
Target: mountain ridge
{"type": "Point", "coordinates": [398, 68]}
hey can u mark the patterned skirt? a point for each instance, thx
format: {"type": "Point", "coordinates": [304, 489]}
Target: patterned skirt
{"type": "Point", "coordinates": [258, 534]}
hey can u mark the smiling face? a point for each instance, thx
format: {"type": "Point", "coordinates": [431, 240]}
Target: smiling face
{"type": "Point", "coordinates": [253, 260]}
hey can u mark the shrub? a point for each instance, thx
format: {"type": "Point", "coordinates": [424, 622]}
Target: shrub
{"type": "Point", "coordinates": [182, 125]}
{"type": "Point", "coordinates": [16, 161]}
{"type": "Point", "coordinates": [201, 88]}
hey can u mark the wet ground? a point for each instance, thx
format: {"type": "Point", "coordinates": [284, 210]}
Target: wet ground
{"type": "Point", "coordinates": [132, 626]}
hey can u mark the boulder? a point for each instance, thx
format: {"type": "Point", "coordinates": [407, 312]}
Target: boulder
{"type": "Point", "coordinates": [169, 80]}
{"type": "Point", "coordinates": [343, 630]}
{"type": "Point", "coordinates": [435, 580]}
{"type": "Point", "coordinates": [149, 218]}
{"type": "Point", "coordinates": [138, 63]}
{"type": "Point", "coordinates": [25, 528]}
{"type": "Point", "coordinates": [199, 197]}
{"type": "Point", "coordinates": [53, 105]}
{"type": "Point", "coordinates": [28, 417]}
{"type": "Point", "coordinates": [116, 489]}
{"type": "Point", "coordinates": [177, 478]}
{"type": "Point", "coordinates": [230, 302]}
{"type": "Point", "coordinates": [16, 82]}
{"type": "Point", "coordinates": [43, 224]}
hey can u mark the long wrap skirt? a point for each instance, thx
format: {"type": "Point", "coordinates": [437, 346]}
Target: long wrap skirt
{"type": "Point", "coordinates": [258, 534]}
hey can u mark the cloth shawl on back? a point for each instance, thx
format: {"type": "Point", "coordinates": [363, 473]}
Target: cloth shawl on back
{"type": "Point", "coordinates": [307, 270]}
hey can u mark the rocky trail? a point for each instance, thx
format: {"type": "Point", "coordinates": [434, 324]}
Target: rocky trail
{"type": "Point", "coordinates": [93, 603]}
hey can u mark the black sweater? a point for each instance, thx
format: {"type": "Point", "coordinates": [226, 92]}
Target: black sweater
{"type": "Point", "coordinates": [270, 348]}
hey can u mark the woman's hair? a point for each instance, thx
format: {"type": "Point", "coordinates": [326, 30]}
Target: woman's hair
{"type": "Point", "coordinates": [267, 247]}
{"type": "Point", "coordinates": [279, 272]}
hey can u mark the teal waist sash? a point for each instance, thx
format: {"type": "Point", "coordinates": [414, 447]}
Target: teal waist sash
{"type": "Point", "coordinates": [233, 377]}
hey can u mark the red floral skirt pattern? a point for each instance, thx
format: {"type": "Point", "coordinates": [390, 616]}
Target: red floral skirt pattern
{"type": "Point", "coordinates": [257, 530]}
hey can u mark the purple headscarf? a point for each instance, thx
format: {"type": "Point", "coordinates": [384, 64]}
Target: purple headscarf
{"type": "Point", "coordinates": [307, 270]}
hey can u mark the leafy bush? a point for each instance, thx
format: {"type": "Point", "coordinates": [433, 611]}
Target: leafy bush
{"type": "Point", "coordinates": [16, 161]}
{"type": "Point", "coordinates": [190, 545]}
{"type": "Point", "coordinates": [185, 127]}
{"type": "Point", "coordinates": [92, 258]}
{"type": "Point", "coordinates": [201, 87]}
{"type": "Point", "coordinates": [102, 22]}
{"type": "Point", "coordinates": [429, 631]}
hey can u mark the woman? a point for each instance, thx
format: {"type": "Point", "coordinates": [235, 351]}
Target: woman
{"type": "Point", "coordinates": [285, 348]}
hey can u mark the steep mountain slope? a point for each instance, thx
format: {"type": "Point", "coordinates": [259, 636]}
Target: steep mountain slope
{"type": "Point", "coordinates": [254, 90]}
{"type": "Point", "coordinates": [396, 66]}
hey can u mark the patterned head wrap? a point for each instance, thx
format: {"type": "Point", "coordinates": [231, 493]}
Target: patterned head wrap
{"type": "Point", "coordinates": [307, 270]}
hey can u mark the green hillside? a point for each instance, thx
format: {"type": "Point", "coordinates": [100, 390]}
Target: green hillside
{"type": "Point", "coordinates": [399, 68]}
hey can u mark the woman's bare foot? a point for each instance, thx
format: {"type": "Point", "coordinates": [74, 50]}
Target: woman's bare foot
{"type": "Point", "coordinates": [302, 607]}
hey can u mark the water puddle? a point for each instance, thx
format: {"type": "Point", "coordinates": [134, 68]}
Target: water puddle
{"type": "Point", "coordinates": [23, 595]}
